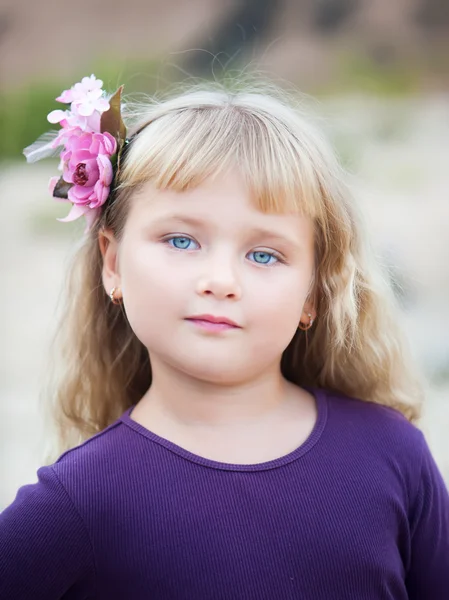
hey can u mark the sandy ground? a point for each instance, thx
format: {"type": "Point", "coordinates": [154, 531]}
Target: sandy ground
{"type": "Point", "coordinates": [400, 154]}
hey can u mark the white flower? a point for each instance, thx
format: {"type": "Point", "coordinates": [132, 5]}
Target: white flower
{"type": "Point", "coordinates": [85, 98]}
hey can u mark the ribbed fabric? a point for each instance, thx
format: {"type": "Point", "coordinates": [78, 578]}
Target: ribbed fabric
{"type": "Point", "coordinates": [358, 512]}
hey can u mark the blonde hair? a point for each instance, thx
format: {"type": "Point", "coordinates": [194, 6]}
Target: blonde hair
{"type": "Point", "coordinates": [355, 347]}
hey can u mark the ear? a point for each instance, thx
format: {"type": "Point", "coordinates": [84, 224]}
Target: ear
{"type": "Point", "coordinates": [310, 304]}
{"type": "Point", "coordinates": [308, 309]}
{"type": "Point", "coordinates": [109, 251]}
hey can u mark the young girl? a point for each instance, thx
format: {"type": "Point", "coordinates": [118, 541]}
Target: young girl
{"type": "Point", "coordinates": [233, 379]}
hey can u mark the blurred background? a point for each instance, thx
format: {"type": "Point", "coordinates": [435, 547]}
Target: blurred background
{"type": "Point", "coordinates": [378, 73]}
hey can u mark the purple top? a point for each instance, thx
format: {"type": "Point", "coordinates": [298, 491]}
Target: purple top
{"type": "Point", "coordinates": [358, 511]}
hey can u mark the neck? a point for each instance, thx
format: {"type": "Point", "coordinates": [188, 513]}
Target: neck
{"type": "Point", "coordinates": [188, 401]}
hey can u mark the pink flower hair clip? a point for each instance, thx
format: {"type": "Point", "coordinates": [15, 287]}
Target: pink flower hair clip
{"type": "Point", "coordinates": [89, 143]}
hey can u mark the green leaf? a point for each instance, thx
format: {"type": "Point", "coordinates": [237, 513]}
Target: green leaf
{"type": "Point", "coordinates": [62, 189]}
{"type": "Point", "coordinates": [111, 120]}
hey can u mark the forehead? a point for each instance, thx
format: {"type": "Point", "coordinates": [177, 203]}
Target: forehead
{"type": "Point", "coordinates": [222, 201]}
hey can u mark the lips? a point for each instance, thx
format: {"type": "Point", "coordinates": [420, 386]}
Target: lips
{"type": "Point", "coordinates": [213, 320]}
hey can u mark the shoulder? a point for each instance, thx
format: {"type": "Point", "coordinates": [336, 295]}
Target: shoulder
{"type": "Point", "coordinates": [378, 442]}
{"type": "Point", "coordinates": [364, 414]}
{"type": "Point", "coordinates": [56, 493]}
{"type": "Point", "coordinates": [94, 458]}
{"type": "Point", "coordinates": [92, 474]}
{"type": "Point", "coordinates": [375, 428]}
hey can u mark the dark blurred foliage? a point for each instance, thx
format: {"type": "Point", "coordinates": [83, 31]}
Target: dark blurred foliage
{"type": "Point", "coordinates": [329, 15]}
{"type": "Point", "coordinates": [6, 21]}
{"type": "Point", "coordinates": [251, 22]}
{"type": "Point", "coordinates": [248, 24]}
{"type": "Point", "coordinates": [433, 13]}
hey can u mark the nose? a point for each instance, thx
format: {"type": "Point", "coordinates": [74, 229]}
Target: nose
{"type": "Point", "coordinates": [220, 279]}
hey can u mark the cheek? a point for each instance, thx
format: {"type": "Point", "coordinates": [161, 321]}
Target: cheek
{"type": "Point", "coordinates": [143, 272]}
{"type": "Point", "coordinates": [279, 298]}
{"type": "Point", "coordinates": [275, 310]}
{"type": "Point", "coordinates": [150, 290]}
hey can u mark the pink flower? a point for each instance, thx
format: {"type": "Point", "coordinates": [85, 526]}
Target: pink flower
{"type": "Point", "coordinates": [85, 160]}
{"type": "Point", "coordinates": [64, 135]}
{"type": "Point", "coordinates": [87, 165]}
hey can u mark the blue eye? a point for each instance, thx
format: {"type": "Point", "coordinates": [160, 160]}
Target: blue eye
{"type": "Point", "coordinates": [181, 242]}
{"type": "Point", "coordinates": [264, 258]}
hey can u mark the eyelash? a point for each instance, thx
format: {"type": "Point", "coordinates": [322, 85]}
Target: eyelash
{"type": "Point", "coordinates": [272, 254]}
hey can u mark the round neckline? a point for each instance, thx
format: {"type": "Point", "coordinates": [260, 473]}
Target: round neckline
{"type": "Point", "coordinates": [306, 446]}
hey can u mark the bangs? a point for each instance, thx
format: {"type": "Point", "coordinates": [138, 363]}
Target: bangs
{"type": "Point", "coordinates": [277, 157]}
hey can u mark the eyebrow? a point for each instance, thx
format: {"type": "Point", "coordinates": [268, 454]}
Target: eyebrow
{"type": "Point", "coordinates": [260, 231]}
{"type": "Point", "coordinates": [255, 232]}
{"type": "Point", "coordinates": [181, 219]}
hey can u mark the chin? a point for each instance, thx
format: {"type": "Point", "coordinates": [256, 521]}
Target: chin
{"type": "Point", "coordinates": [219, 368]}
{"type": "Point", "coordinates": [218, 374]}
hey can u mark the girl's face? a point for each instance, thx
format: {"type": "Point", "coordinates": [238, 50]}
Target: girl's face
{"type": "Point", "coordinates": [207, 254]}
